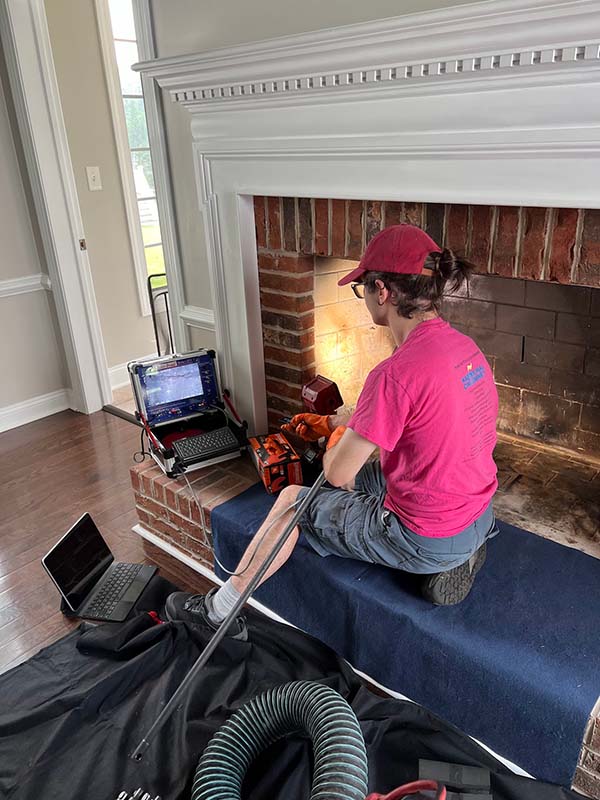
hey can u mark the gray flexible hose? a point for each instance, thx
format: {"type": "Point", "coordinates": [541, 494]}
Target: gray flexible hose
{"type": "Point", "coordinates": [340, 770]}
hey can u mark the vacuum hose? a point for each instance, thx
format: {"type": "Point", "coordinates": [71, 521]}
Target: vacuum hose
{"type": "Point", "coordinates": [340, 771]}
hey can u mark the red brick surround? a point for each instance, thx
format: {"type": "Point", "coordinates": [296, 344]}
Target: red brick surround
{"type": "Point", "coordinates": [167, 509]}
{"type": "Point", "coordinates": [552, 244]}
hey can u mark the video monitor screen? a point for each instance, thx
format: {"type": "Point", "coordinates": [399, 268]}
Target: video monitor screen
{"type": "Point", "coordinates": [172, 385]}
{"type": "Point", "coordinates": [179, 388]}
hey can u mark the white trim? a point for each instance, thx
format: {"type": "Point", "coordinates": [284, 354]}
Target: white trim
{"type": "Point", "coordinates": [345, 84]}
{"type": "Point", "coordinates": [123, 153]}
{"type": "Point", "coordinates": [119, 375]}
{"type": "Point", "coordinates": [25, 284]}
{"type": "Point", "coordinates": [162, 174]}
{"type": "Point", "coordinates": [504, 37]}
{"type": "Point", "coordinates": [168, 548]}
{"type": "Point", "coordinates": [37, 407]}
{"type": "Point", "coordinates": [199, 317]}
{"type": "Point", "coordinates": [26, 42]}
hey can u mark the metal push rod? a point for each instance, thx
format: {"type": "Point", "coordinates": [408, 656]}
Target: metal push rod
{"type": "Point", "coordinates": [220, 633]}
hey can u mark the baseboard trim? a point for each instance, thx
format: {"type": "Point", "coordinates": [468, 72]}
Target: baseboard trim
{"type": "Point", "coordinates": [29, 410]}
{"type": "Point", "coordinates": [119, 376]}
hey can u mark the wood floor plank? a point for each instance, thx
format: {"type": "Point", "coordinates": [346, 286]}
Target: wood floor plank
{"type": "Point", "coordinates": [51, 472]}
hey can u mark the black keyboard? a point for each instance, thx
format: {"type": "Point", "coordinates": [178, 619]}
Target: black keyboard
{"type": "Point", "coordinates": [206, 444]}
{"type": "Point", "coordinates": [113, 590]}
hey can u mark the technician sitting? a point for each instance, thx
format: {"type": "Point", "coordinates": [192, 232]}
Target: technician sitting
{"type": "Point", "coordinates": [431, 408]}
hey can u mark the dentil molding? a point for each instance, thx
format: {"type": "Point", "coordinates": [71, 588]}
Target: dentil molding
{"type": "Point", "coordinates": [496, 39]}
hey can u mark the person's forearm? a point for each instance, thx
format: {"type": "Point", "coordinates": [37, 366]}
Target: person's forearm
{"type": "Point", "coordinates": [335, 420]}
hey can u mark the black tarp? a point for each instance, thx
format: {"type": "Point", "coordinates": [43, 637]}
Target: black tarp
{"type": "Point", "coordinates": [71, 716]}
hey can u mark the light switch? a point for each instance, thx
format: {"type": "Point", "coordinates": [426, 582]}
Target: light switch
{"type": "Point", "coordinates": [93, 179]}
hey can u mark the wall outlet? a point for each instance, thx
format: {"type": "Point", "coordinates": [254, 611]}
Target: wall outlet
{"type": "Point", "coordinates": [93, 179]}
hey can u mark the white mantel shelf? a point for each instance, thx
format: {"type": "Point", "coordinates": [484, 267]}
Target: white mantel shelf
{"type": "Point", "coordinates": [494, 103]}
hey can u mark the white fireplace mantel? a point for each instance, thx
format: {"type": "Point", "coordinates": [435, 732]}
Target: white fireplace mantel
{"type": "Point", "coordinates": [494, 103]}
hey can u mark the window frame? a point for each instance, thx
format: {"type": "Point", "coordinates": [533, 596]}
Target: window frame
{"type": "Point", "coordinates": [131, 200]}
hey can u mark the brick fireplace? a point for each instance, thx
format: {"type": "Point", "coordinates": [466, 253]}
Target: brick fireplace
{"type": "Point", "coordinates": [533, 306]}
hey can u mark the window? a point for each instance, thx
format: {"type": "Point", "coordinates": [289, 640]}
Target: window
{"type": "Point", "coordinates": [118, 36]}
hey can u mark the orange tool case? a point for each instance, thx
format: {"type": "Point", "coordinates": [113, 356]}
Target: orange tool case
{"type": "Point", "coordinates": [276, 461]}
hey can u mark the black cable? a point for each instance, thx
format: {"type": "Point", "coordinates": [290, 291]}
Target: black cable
{"type": "Point", "coordinates": [140, 455]}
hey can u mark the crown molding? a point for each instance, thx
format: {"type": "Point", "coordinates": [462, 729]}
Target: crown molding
{"type": "Point", "coordinates": [495, 38]}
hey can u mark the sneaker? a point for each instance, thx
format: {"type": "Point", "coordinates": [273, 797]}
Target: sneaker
{"type": "Point", "coordinates": [194, 608]}
{"type": "Point", "coordinates": [451, 587]}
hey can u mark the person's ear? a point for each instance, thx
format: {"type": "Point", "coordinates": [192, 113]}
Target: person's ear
{"type": "Point", "coordinates": [382, 292]}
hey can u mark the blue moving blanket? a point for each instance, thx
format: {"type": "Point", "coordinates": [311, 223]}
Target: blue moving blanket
{"type": "Point", "coordinates": [516, 665]}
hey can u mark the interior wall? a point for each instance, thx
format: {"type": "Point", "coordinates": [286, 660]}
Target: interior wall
{"type": "Point", "coordinates": [84, 98]}
{"type": "Point", "coordinates": [187, 26]}
{"type": "Point", "coordinates": [31, 349]}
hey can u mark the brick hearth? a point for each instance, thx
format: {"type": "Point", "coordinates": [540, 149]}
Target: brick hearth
{"type": "Point", "coordinates": [167, 509]}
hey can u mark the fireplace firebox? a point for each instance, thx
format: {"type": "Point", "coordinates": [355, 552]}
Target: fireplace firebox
{"type": "Point", "coordinates": [525, 306]}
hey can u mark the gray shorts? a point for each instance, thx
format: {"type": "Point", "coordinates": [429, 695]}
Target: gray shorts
{"type": "Point", "coordinates": [355, 524]}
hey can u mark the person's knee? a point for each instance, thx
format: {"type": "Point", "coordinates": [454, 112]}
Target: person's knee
{"type": "Point", "coordinates": [288, 495]}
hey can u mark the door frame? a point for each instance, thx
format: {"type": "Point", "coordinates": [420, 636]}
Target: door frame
{"type": "Point", "coordinates": [32, 78]}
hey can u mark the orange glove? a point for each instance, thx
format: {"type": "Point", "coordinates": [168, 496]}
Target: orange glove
{"type": "Point", "coordinates": [335, 437]}
{"type": "Point", "coordinates": [309, 427]}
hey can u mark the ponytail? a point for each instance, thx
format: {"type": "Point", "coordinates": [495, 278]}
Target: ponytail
{"type": "Point", "coordinates": [446, 272]}
{"type": "Point", "coordinates": [449, 270]}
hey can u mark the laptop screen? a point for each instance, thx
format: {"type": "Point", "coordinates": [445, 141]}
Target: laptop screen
{"type": "Point", "coordinates": [78, 561]}
{"type": "Point", "coordinates": [177, 388]}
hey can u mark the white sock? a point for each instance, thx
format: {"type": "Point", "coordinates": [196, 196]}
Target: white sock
{"type": "Point", "coordinates": [222, 602]}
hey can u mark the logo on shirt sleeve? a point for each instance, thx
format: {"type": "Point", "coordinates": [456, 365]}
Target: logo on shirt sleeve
{"type": "Point", "coordinates": [473, 376]}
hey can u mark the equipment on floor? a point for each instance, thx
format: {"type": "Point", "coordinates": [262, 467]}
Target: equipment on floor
{"type": "Point", "coordinates": [189, 421]}
{"type": "Point", "coordinates": [340, 770]}
{"type": "Point", "coordinates": [340, 756]}
{"type": "Point", "coordinates": [92, 585]}
{"type": "Point", "coordinates": [138, 794]}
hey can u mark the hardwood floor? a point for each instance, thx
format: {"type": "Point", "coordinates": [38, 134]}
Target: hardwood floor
{"type": "Point", "coordinates": [51, 472]}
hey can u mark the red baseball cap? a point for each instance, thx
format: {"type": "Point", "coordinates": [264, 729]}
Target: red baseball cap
{"type": "Point", "coordinates": [399, 248]}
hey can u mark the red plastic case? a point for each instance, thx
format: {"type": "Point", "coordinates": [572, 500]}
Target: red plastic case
{"type": "Point", "coordinates": [276, 461]}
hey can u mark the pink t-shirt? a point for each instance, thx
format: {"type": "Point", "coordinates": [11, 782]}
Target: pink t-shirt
{"type": "Point", "coordinates": [431, 407]}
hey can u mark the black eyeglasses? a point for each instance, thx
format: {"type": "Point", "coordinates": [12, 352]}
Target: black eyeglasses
{"type": "Point", "coordinates": [359, 290]}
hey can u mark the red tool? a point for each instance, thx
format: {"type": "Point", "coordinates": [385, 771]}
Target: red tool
{"type": "Point", "coordinates": [321, 395]}
{"type": "Point", "coordinates": [410, 789]}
